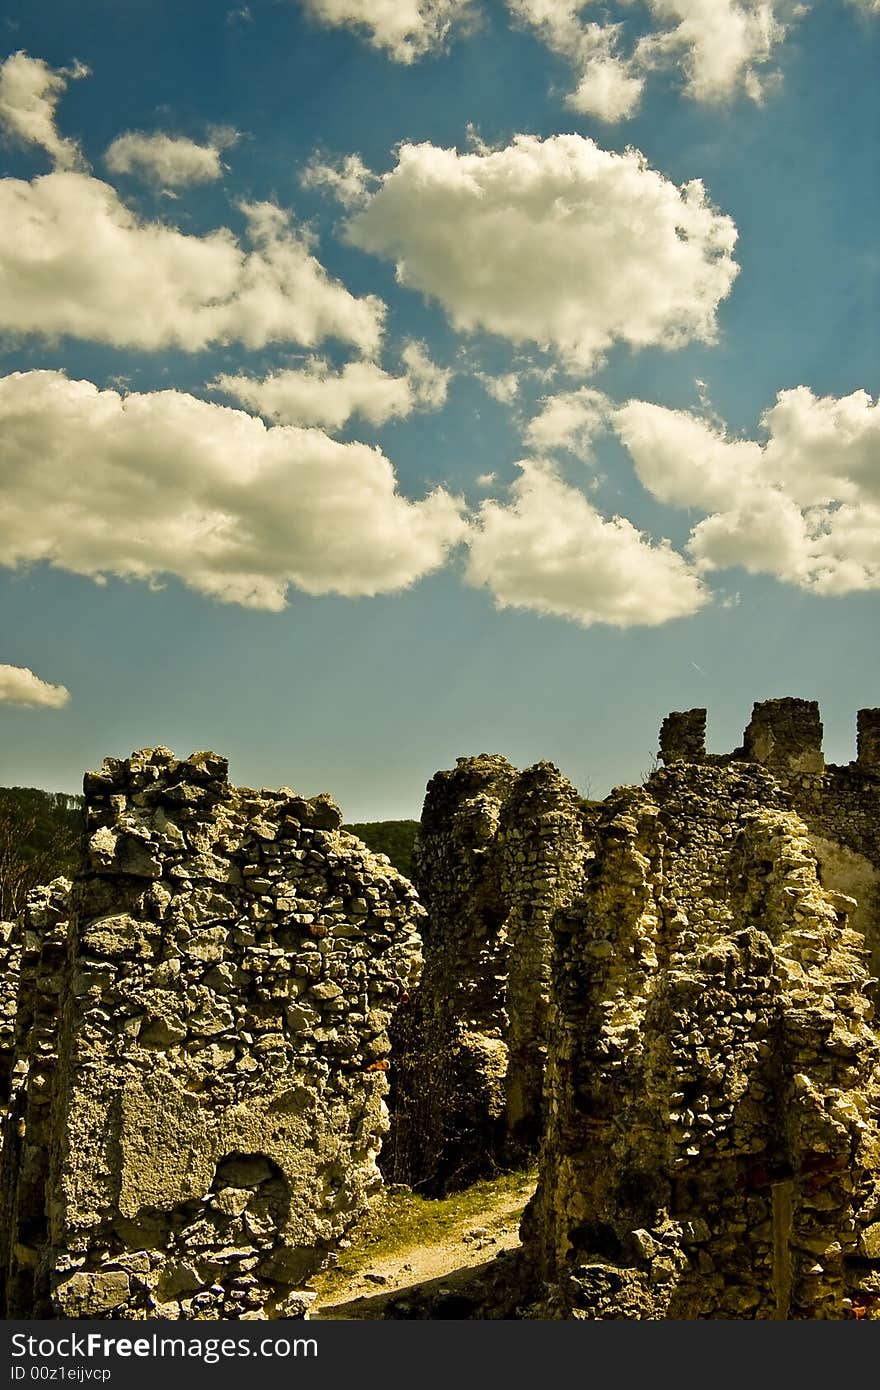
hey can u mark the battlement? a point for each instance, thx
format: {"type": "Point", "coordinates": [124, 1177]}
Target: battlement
{"type": "Point", "coordinates": [783, 735]}
{"type": "Point", "coordinates": [868, 736]}
{"type": "Point", "coordinates": [683, 737]}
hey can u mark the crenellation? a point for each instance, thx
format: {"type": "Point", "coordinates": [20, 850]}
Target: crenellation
{"type": "Point", "coordinates": [868, 741]}
{"type": "Point", "coordinates": [785, 736]}
{"type": "Point", "coordinates": [683, 737]}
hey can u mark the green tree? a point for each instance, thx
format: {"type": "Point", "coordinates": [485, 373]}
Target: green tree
{"type": "Point", "coordinates": [39, 839]}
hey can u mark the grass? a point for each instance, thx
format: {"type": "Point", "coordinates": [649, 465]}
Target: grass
{"type": "Point", "coordinates": [399, 1221]}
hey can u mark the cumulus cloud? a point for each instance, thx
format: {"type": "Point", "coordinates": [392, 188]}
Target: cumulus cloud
{"type": "Point", "coordinates": [171, 160]}
{"type": "Point", "coordinates": [152, 485]}
{"type": "Point", "coordinates": [29, 93]}
{"type": "Point", "coordinates": [609, 85]}
{"type": "Point", "coordinates": [555, 242]}
{"type": "Point", "coordinates": [75, 260]}
{"type": "Point", "coordinates": [316, 395]}
{"type": "Point", "coordinates": [803, 506]}
{"type": "Point", "coordinates": [551, 551]}
{"type": "Point", "coordinates": [720, 46]}
{"type": "Point", "coordinates": [348, 178]}
{"type": "Point", "coordinates": [404, 29]}
{"type": "Point", "coordinates": [19, 686]}
{"type": "Point", "coordinates": [503, 388]}
{"type": "Point", "coordinates": [569, 420]}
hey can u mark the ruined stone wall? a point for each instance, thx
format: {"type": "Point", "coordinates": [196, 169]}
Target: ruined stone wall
{"type": "Point", "coordinates": [542, 846]}
{"type": "Point", "coordinates": [448, 1082]}
{"type": "Point", "coordinates": [43, 935]}
{"type": "Point", "coordinates": [10, 953]}
{"type": "Point", "coordinates": [497, 852]}
{"type": "Point", "coordinates": [712, 1145]}
{"type": "Point", "coordinates": [227, 980]}
{"type": "Point", "coordinates": [840, 805]}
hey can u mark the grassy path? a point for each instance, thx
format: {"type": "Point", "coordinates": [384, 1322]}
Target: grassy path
{"type": "Point", "coordinates": [407, 1240]}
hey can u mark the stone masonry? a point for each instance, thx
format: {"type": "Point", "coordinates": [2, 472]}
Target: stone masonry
{"type": "Point", "coordinates": [498, 851]}
{"type": "Point", "coordinates": [672, 993]}
{"type": "Point", "coordinates": [40, 972]}
{"type": "Point", "coordinates": [840, 805]}
{"type": "Point", "coordinates": [10, 954]}
{"type": "Point", "coordinates": [201, 1045]}
{"type": "Point", "coordinates": [712, 1141]}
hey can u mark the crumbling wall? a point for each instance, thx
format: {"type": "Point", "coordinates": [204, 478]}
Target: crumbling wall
{"type": "Point", "coordinates": [840, 804]}
{"type": "Point", "coordinates": [10, 954]}
{"type": "Point", "coordinates": [42, 932]}
{"type": "Point", "coordinates": [448, 1083]}
{"type": "Point", "coordinates": [496, 854]}
{"type": "Point", "coordinates": [712, 1146]}
{"type": "Point", "coordinates": [230, 970]}
{"type": "Point", "coordinates": [542, 846]}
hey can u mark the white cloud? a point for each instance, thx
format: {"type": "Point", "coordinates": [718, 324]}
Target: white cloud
{"type": "Point", "coordinates": [316, 395]}
{"type": "Point", "coordinates": [75, 260]}
{"type": "Point", "coordinates": [29, 93]}
{"type": "Point", "coordinates": [804, 506]}
{"type": "Point", "coordinates": [609, 86]}
{"type": "Point", "coordinates": [763, 534]}
{"type": "Point", "coordinates": [569, 420]}
{"type": "Point", "coordinates": [503, 388]}
{"type": "Point", "coordinates": [684, 461]}
{"type": "Point", "coordinates": [348, 179]}
{"type": "Point", "coordinates": [167, 159]}
{"type": "Point", "coordinates": [145, 486]}
{"type": "Point", "coordinates": [404, 29]}
{"type": "Point", "coordinates": [556, 242]}
{"type": "Point", "coordinates": [826, 448]}
{"type": "Point", "coordinates": [551, 551]}
{"type": "Point", "coordinates": [721, 46]}
{"type": "Point", "coordinates": [19, 686]}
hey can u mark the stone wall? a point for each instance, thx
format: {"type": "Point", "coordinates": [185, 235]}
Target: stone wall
{"type": "Point", "coordinates": [712, 1146]}
{"type": "Point", "coordinates": [840, 805]}
{"type": "Point", "coordinates": [543, 842]}
{"type": "Point", "coordinates": [10, 952]}
{"type": "Point", "coordinates": [207, 1121]}
{"type": "Point", "coordinates": [498, 851]}
{"type": "Point", "coordinates": [41, 973]}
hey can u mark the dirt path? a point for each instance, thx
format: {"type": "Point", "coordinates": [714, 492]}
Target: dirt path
{"type": "Point", "coordinates": [463, 1247]}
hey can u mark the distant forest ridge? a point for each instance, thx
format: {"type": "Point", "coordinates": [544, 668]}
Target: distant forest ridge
{"type": "Point", "coordinates": [396, 838]}
{"type": "Point", "coordinates": [39, 839]}
{"type": "Point", "coordinates": [40, 832]}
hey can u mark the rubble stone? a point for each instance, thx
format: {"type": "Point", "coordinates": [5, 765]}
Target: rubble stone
{"type": "Point", "coordinates": [200, 1049]}
{"type": "Point", "coordinates": [498, 851]}
{"type": "Point", "coordinates": [712, 1147]}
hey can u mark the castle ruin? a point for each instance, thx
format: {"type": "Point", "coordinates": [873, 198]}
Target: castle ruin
{"type": "Point", "coordinates": [668, 997]}
{"type": "Point", "coordinates": [200, 1047]}
{"type": "Point", "coordinates": [498, 852]}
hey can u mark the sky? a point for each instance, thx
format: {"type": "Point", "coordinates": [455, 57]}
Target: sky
{"type": "Point", "coordinates": [388, 381]}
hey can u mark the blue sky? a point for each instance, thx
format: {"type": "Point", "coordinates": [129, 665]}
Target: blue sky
{"type": "Point", "coordinates": [472, 431]}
